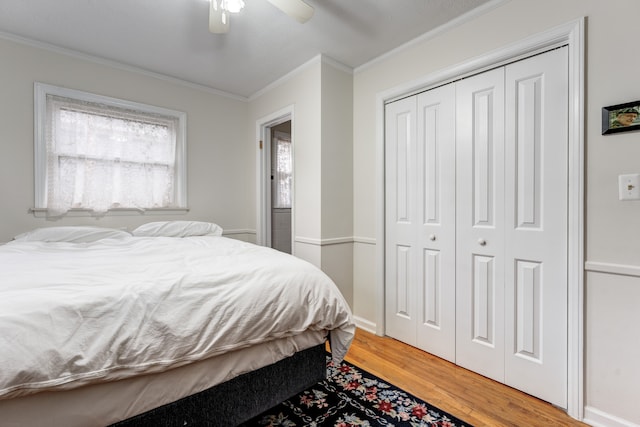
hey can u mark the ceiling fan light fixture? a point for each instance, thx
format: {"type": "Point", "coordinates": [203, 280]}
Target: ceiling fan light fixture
{"type": "Point", "coordinates": [218, 17]}
{"type": "Point", "coordinates": [233, 6]}
{"type": "Point", "coordinates": [219, 11]}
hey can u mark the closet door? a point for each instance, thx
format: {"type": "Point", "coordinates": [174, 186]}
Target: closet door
{"type": "Point", "coordinates": [400, 220]}
{"type": "Point", "coordinates": [480, 341]}
{"type": "Point", "coordinates": [477, 221]}
{"type": "Point", "coordinates": [420, 221]}
{"type": "Point", "coordinates": [536, 234]}
{"type": "Point", "coordinates": [436, 231]}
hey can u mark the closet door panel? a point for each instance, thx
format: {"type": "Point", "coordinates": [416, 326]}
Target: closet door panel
{"type": "Point", "coordinates": [483, 291]}
{"type": "Point", "coordinates": [401, 220]}
{"type": "Point", "coordinates": [536, 235]}
{"type": "Point", "coordinates": [435, 199]}
{"type": "Point", "coordinates": [480, 223]}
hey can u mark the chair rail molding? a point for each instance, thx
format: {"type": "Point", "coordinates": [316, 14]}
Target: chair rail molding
{"type": "Point", "coordinates": [611, 268]}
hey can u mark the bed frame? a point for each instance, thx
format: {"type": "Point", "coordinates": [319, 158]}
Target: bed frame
{"type": "Point", "coordinates": [240, 399]}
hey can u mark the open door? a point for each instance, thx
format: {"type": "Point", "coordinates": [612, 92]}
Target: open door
{"type": "Point", "coordinates": [281, 186]}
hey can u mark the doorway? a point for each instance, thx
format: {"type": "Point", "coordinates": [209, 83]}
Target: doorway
{"type": "Point", "coordinates": [275, 181]}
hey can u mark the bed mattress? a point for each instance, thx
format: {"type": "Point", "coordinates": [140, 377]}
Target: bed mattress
{"type": "Point", "coordinates": [76, 314]}
{"type": "Point", "coordinates": [101, 404]}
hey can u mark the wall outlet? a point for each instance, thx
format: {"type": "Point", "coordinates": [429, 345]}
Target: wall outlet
{"type": "Point", "coordinates": [629, 187]}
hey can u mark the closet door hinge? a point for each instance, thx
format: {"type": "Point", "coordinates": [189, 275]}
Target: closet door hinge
{"type": "Point", "coordinates": [261, 144]}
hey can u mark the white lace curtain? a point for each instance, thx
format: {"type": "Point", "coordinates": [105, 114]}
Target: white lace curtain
{"type": "Point", "coordinates": [102, 157]}
{"type": "Point", "coordinates": [282, 171]}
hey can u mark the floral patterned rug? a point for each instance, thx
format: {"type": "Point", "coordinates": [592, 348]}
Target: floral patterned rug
{"type": "Point", "coordinates": [351, 396]}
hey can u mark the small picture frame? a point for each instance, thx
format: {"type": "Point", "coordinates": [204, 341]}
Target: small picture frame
{"type": "Point", "coordinates": [621, 118]}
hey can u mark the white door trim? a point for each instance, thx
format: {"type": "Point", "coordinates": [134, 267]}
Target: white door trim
{"type": "Point", "coordinates": [572, 35]}
{"type": "Point", "coordinates": [263, 169]}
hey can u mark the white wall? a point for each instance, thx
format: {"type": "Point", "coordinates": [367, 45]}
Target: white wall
{"type": "Point", "coordinates": [337, 176]}
{"type": "Point", "coordinates": [337, 152]}
{"type": "Point", "coordinates": [301, 91]}
{"type": "Point", "coordinates": [612, 371]}
{"type": "Point", "coordinates": [320, 93]}
{"type": "Point", "coordinates": [216, 138]}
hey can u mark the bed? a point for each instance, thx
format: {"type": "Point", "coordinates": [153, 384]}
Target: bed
{"type": "Point", "coordinates": [159, 326]}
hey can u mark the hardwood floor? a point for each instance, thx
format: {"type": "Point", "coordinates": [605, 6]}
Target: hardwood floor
{"type": "Point", "coordinates": [464, 394]}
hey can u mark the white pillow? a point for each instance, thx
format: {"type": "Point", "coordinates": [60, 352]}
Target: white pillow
{"type": "Point", "coordinates": [73, 234]}
{"type": "Point", "coordinates": [177, 229]}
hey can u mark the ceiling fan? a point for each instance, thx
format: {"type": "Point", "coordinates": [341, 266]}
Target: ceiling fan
{"type": "Point", "coordinates": [219, 12]}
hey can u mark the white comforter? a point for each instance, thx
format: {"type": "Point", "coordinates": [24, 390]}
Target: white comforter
{"type": "Point", "coordinates": [76, 313]}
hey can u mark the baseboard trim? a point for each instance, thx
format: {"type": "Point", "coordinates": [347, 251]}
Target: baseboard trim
{"type": "Point", "coordinates": [611, 268]}
{"type": "Point", "coordinates": [365, 324]}
{"type": "Point", "coordinates": [598, 418]}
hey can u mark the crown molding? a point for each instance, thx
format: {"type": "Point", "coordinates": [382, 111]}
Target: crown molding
{"type": "Point", "coordinates": [462, 19]}
{"type": "Point", "coordinates": [318, 59]}
{"type": "Point", "coordinates": [116, 65]}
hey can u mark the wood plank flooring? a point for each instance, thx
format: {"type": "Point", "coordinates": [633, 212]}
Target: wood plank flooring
{"type": "Point", "coordinates": [464, 394]}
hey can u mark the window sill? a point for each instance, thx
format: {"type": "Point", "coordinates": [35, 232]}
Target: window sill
{"type": "Point", "coordinates": [42, 212]}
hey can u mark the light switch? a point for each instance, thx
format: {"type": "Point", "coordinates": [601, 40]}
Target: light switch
{"type": "Point", "coordinates": [629, 187]}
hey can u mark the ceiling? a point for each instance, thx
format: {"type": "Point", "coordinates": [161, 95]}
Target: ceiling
{"type": "Point", "coordinates": [171, 37]}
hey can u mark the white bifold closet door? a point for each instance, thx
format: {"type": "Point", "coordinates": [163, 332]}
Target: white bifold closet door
{"type": "Point", "coordinates": [511, 197]}
{"type": "Point", "coordinates": [476, 223]}
{"type": "Point", "coordinates": [420, 221]}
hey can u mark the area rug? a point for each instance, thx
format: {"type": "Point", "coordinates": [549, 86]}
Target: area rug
{"type": "Point", "coordinates": [351, 396]}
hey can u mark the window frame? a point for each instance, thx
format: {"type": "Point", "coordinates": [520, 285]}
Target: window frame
{"type": "Point", "coordinates": [42, 90]}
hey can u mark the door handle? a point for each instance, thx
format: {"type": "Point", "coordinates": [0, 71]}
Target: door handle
{"type": "Point", "coordinates": [482, 242]}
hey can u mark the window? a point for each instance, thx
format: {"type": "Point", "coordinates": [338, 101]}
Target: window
{"type": "Point", "coordinates": [282, 168]}
{"type": "Point", "coordinates": [100, 154]}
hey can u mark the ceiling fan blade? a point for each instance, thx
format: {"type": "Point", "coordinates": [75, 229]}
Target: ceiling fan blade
{"type": "Point", "coordinates": [296, 9]}
{"type": "Point", "coordinates": [218, 19]}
